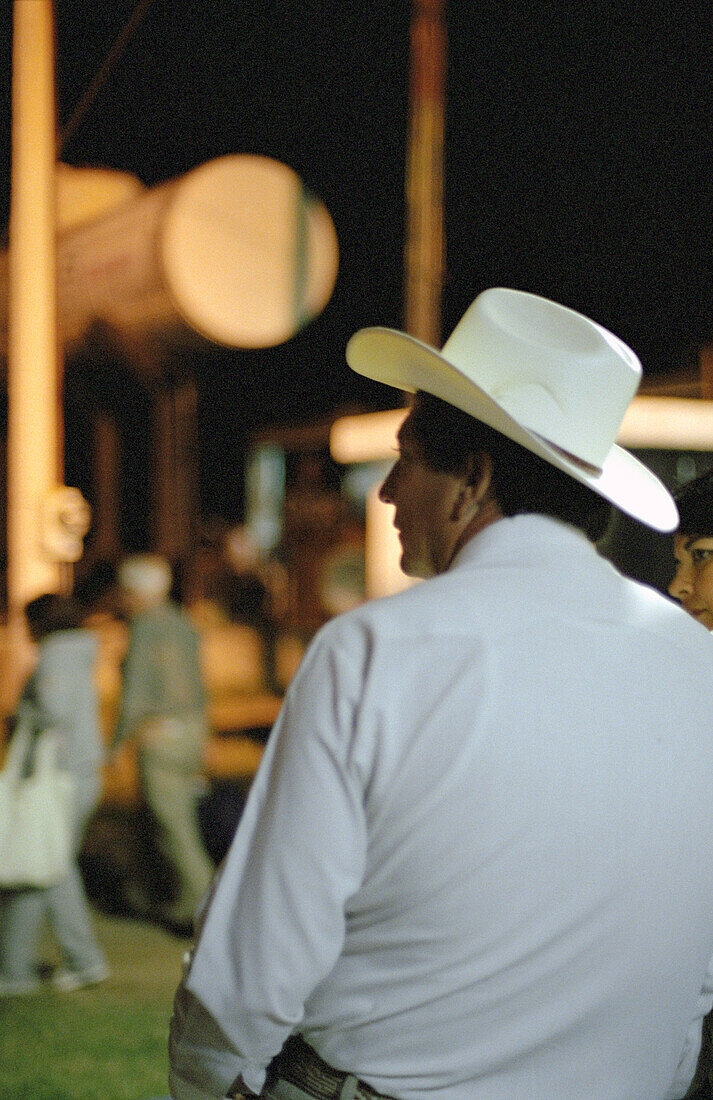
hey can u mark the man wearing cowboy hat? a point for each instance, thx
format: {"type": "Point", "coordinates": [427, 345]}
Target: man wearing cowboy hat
{"type": "Point", "coordinates": [475, 863]}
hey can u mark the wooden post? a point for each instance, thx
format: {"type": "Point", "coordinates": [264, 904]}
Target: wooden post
{"type": "Point", "coordinates": [176, 469]}
{"type": "Point", "coordinates": [425, 244]}
{"type": "Point", "coordinates": [424, 260]}
{"type": "Point", "coordinates": [106, 541]}
{"type": "Point", "coordinates": [705, 363]}
{"type": "Point", "coordinates": [34, 435]}
{"type": "Point", "coordinates": [34, 438]}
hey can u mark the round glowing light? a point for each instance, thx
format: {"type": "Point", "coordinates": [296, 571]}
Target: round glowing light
{"type": "Point", "coordinates": [249, 256]}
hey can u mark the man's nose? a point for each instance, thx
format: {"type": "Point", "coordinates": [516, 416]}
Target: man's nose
{"type": "Point", "coordinates": [385, 492]}
{"type": "Point", "coordinates": [681, 583]}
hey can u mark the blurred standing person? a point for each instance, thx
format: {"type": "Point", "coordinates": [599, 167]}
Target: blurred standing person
{"type": "Point", "coordinates": [255, 592]}
{"type": "Point", "coordinates": [692, 583]}
{"type": "Point", "coordinates": [61, 694]}
{"type": "Point", "coordinates": [163, 707]}
{"type": "Point", "coordinates": [692, 586]}
{"type": "Point", "coordinates": [97, 594]}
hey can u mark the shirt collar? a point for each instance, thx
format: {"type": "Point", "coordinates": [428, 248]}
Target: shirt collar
{"type": "Point", "coordinates": [505, 539]}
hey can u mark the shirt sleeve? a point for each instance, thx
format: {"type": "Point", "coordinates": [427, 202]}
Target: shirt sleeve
{"type": "Point", "coordinates": [275, 924]}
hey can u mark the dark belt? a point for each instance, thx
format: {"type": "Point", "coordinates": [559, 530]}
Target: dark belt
{"type": "Point", "coordinates": [299, 1064]}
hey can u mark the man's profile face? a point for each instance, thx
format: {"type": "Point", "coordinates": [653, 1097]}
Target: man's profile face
{"type": "Point", "coordinates": [424, 501]}
{"type": "Point", "coordinates": [692, 583]}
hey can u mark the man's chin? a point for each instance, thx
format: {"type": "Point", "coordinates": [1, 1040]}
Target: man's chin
{"type": "Point", "coordinates": [405, 565]}
{"type": "Point", "coordinates": [413, 569]}
{"type": "Point", "coordinates": [703, 616]}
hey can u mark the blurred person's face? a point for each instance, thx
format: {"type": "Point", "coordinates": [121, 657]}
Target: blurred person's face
{"type": "Point", "coordinates": [692, 582]}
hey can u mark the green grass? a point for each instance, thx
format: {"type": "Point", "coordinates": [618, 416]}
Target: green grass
{"type": "Point", "coordinates": [57, 1049]}
{"type": "Point", "coordinates": [104, 1043]}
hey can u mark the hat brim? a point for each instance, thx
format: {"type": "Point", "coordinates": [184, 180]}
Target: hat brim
{"type": "Point", "coordinates": [403, 362]}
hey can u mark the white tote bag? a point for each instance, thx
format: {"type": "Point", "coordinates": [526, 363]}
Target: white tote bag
{"type": "Point", "coordinates": [35, 835]}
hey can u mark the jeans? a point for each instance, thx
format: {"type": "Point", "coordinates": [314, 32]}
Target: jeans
{"type": "Point", "coordinates": [64, 905]}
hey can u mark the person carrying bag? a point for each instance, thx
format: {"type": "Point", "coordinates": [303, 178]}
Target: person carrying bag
{"type": "Point", "coordinates": [35, 810]}
{"type": "Point", "coordinates": [49, 788]}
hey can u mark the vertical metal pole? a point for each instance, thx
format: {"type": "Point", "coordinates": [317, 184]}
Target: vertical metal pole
{"type": "Point", "coordinates": [34, 435]}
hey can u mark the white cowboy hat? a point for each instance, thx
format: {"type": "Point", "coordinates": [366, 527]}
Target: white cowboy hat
{"type": "Point", "coordinates": [541, 374]}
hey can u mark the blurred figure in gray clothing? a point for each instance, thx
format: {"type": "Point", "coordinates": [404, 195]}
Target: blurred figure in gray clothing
{"type": "Point", "coordinates": [61, 694]}
{"type": "Point", "coordinates": [163, 707]}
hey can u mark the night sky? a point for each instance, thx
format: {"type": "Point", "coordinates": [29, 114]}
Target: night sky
{"type": "Point", "coordinates": [579, 159]}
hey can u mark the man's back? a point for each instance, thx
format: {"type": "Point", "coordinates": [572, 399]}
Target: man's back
{"type": "Point", "coordinates": [162, 671]}
{"type": "Point", "coordinates": [507, 795]}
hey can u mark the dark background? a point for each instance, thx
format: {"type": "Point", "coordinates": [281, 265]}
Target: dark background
{"type": "Point", "coordinates": [579, 154]}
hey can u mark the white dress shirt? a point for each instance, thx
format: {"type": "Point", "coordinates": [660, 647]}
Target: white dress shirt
{"type": "Point", "coordinates": [475, 862]}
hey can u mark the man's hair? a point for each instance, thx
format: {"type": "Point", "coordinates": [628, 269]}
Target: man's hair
{"type": "Point", "coordinates": [521, 481]}
{"type": "Point", "coordinates": [52, 612]}
{"type": "Point", "coordinates": [695, 506]}
{"type": "Point", "coordinates": [146, 575]}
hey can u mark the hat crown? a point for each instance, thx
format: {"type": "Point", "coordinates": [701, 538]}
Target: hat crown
{"type": "Point", "coordinates": [542, 375]}
{"type": "Point", "coordinates": [558, 373]}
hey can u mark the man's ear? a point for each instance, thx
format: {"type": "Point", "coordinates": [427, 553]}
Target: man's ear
{"type": "Point", "coordinates": [475, 487]}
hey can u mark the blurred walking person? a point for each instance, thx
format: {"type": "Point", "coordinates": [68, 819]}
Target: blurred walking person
{"type": "Point", "coordinates": [163, 707]}
{"type": "Point", "coordinates": [60, 694]}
